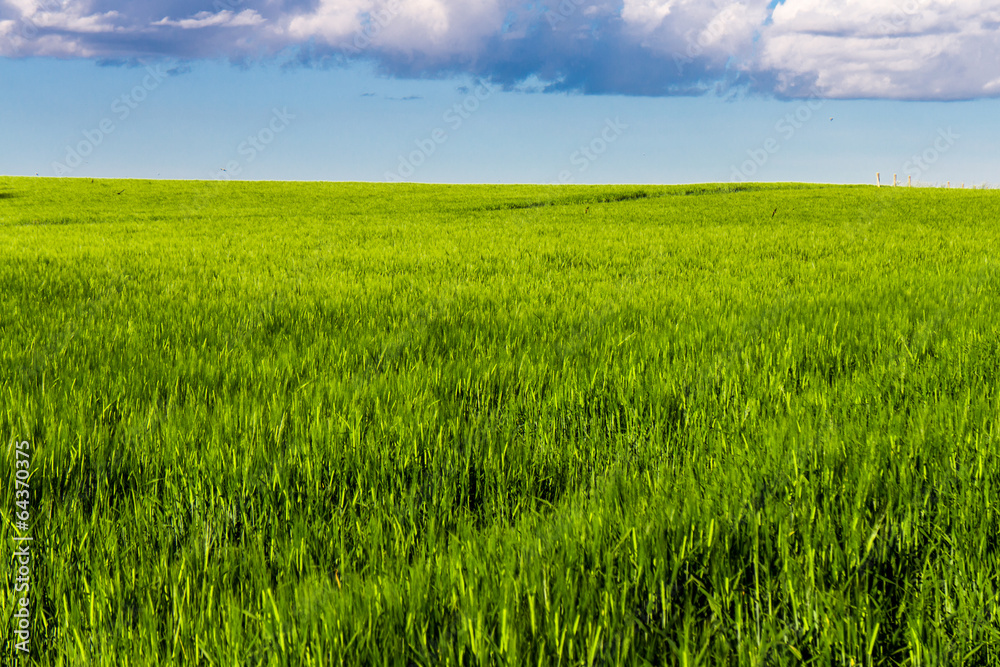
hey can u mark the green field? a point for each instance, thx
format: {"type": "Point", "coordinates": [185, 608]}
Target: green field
{"type": "Point", "coordinates": [323, 424]}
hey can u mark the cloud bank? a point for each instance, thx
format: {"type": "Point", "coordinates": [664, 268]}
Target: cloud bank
{"type": "Point", "coordinates": [892, 49]}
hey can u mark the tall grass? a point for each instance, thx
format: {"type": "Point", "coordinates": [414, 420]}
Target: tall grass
{"type": "Point", "coordinates": [309, 424]}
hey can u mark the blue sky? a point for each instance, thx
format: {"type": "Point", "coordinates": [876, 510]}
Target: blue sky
{"type": "Point", "coordinates": [641, 91]}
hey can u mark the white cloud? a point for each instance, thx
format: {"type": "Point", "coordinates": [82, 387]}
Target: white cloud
{"type": "Point", "coordinates": [646, 14]}
{"type": "Point", "coordinates": [225, 18]}
{"type": "Point", "coordinates": [906, 49]}
{"type": "Point", "coordinates": [433, 28]}
{"type": "Point", "coordinates": [331, 21]}
{"type": "Point", "coordinates": [54, 29]}
{"type": "Point", "coordinates": [715, 32]}
{"type": "Point", "coordinates": [72, 16]}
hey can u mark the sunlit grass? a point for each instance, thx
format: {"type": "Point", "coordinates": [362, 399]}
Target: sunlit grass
{"type": "Point", "coordinates": [283, 424]}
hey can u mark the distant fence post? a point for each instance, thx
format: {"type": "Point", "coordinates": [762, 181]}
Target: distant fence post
{"type": "Point", "coordinates": [894, 183]}
{"type": "Point", "coordinates": [878, 179]}
{"type": "Point", "coordinates": [909, 181]}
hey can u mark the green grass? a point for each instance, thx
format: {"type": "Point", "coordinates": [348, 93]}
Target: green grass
{"type": "Point", "coordinates": [291, 424]}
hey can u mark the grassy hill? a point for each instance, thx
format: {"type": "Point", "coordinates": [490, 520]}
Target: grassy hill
{"type": "Point", "coordinates": [302, 423]}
